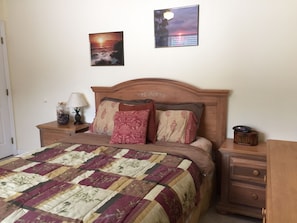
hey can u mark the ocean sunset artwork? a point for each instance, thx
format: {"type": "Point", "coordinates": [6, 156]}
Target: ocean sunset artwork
{"type": "Point", "coordinates": [176, 26]}
{"type": "Point", "coordinates": [107, 48]}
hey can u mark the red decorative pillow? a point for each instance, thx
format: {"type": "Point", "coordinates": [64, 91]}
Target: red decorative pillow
{"type": "Point", "coordinates": [130, 127]}
{"type": "Point", "coordinates": [152, 126]}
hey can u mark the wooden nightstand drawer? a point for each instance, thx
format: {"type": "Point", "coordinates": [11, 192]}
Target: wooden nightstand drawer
{"type": "Point", "coordinates": [52, 136]}
{"type": "Point", "coordinates": [247, 169]}
{"type": "Point", "coordinates": [247, 194]}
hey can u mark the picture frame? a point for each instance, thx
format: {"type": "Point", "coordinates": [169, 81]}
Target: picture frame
{"type": "Point", "coordinates": [107, 49]}
{"type": "Point", "coordinates": [176, 27]}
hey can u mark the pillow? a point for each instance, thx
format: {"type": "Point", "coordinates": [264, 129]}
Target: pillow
{"type": "Point", "coordinates": [203, 143]}
{"type": "Point", "coordinates": [152, 127]}
{"type": "Point", "coordinates": [130, 127]}
{"type": "Point", "coordinates": [176, 126]}
{"type": "Point", "coordinates": [197, 108]}
{"type": "Point", "coordinates": [103, 123]}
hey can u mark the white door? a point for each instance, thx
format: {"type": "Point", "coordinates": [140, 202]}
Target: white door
{"type": "Point", "coordinates": [7, 145]}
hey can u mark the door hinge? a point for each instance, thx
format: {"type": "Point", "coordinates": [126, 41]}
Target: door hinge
{"type": "Point", "coordinates": [7, 92]}
{"type": "Point", "coordinates": [2, 40]}
{"type": "Point", "coordinates": [12, 141]}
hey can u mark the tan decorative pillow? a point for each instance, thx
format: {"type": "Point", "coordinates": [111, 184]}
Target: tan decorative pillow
{"type": "Point", "coordinates": [176, 126]}
{"type": "Point", "coordinates": [103, 123]}
{"type": "Point", "coordinates": [195, 107]}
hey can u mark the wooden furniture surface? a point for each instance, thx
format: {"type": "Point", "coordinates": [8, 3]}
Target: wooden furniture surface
{"type": "Point", "coordinates": [52, 132]}
{"type": "Point", "coordinates": [243, 174]}
{"type": "Point", "coordinates": [214, 118]}
{"type": "Point", "coordinates": [281, 203]}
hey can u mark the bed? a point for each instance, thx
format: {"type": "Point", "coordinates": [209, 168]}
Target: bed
{"type": "Point", "coordinates": [121, 172]}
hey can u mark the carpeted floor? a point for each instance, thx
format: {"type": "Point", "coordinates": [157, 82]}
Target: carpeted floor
{"type": "Point", "coordinates": [213, 217]}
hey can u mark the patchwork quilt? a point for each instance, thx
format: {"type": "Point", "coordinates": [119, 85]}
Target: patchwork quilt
{"type": "Point", "coordinates": [71, 182]}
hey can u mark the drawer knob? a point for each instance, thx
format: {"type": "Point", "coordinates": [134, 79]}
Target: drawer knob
{"type": "Point", "coordinates": [255, 196]}
{"type": "Point", "coordinates": [256, 172]}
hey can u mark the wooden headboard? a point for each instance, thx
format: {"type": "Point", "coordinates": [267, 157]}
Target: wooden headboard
{"type": "Point", "coordinates": [214, 118]}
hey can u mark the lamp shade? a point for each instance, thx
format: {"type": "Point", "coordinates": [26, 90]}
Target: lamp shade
{"type": "Point", "coordinates": [77, 100]}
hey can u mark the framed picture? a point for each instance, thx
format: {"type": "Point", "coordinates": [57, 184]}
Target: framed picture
{"type": "Point", "coordinates": [176, 26]}
{"type": "Point", "coordinates": [107, 49]}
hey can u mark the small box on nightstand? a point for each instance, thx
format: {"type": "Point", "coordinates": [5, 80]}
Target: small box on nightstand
{"type": "Point", "coordinates": [246, 138]}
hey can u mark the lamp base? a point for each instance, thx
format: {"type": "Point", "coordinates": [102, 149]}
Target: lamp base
{"type": "Point", "coordinates": [77, 117]}
{"type": "Point", "coordinates": [78, 123]}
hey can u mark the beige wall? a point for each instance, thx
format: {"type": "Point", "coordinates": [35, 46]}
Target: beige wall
{"type": "Point", "coordinates": [2, 7]}
{"type": "Point", "coordinates": [245, 46]}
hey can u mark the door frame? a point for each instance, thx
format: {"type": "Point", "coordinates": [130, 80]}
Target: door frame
{"type": "Point", "coordinates": [8, 86]}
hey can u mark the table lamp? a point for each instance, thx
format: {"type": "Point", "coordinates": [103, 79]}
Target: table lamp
{"type": "Point", "coordinates": [77, 101]}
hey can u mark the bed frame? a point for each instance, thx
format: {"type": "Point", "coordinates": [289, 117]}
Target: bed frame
{"type": "Point", "coordinates": [214, 118]}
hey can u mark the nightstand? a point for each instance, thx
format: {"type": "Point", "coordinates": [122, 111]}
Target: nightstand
{"type": "Point", "coordinates": [52, 132]}
{"type": "Point", "coordinates": [243, 179]}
